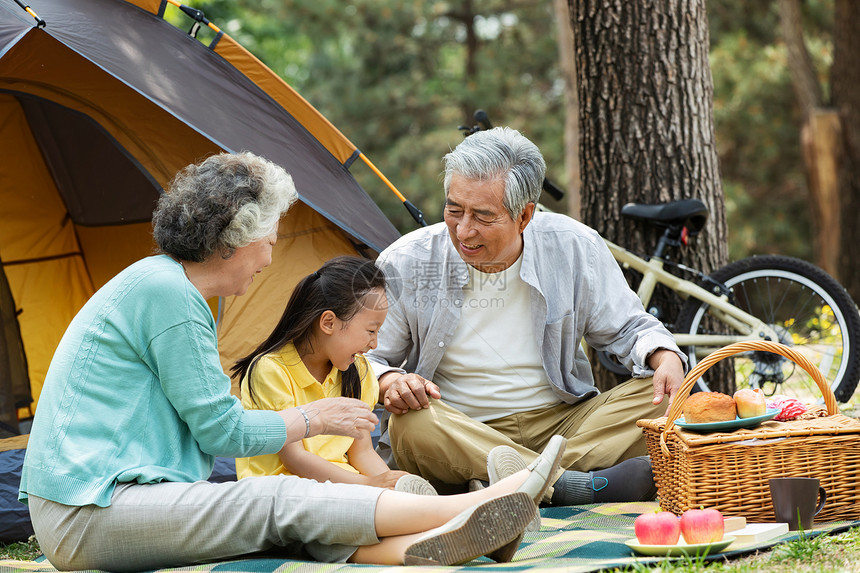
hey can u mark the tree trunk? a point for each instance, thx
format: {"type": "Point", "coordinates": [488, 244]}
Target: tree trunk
{"type": "Point", "coordinates": [845, 81]}
{"type": "Point", "coordinates": [822, 146]}
{"type": "Point", "coordinates": [466, 16]}
{"type": "Point", "coordinates": [803, 78]}
{"type": "Point", "coordinates": [819, 136]}
{"type": "Point", "coordinates": [646, 122]}
{"type": "Point", "coordinates": [567, 65]}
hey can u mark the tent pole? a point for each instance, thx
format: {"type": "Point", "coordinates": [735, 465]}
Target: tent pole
{"type": "Point", "coordinates": [199, 18]}
{"type": "Point", "coordinates": [413, 210]}
{"type": "Point", "coordinates": [39, 22]}
{"type": "Point", "coordinates": [195, 14]}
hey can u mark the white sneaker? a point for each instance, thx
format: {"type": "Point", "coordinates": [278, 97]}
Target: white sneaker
{"type": "Point", "coordinates": [476, 484]}
{"type": "Point", "coordinates": [504, 461]}
{"type": "Point", "coordinates": [480, 530]}
{"type": "Point", "coordinates": [543, 468]}
{"type": "Point", "coordinates": [411, 483]}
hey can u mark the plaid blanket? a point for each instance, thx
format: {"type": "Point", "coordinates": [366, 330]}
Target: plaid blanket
{"type": "Point", "coordinates": [575, 539]}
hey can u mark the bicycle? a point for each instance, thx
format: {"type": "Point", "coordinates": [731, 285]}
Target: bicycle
{"type": "Point", "coordinates": [770, 297]}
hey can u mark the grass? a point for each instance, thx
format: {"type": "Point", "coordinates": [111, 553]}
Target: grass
{"type": "Point", "coordinates": [22, 551]}
{"type": "Point", "coordinates": [821, 554]}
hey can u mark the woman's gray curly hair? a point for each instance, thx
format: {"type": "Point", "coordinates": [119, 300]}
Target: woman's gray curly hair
{"type": "Point", "coordinates": [500, 153]}
{"type": "Point", "coordinates": [225, 202]}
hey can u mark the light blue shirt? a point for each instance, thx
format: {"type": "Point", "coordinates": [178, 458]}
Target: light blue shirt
{"type": "Point", "coordinates": [577, 292]}
{"type": "Point", "coordinates": [136, 393]}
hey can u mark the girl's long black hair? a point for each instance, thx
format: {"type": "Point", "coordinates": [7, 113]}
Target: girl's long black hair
{"type": "Point", "coordinates": [340, 286]}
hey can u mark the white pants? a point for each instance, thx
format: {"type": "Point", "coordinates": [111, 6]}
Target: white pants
{"type": "Point", "coordinates": [172, 524]}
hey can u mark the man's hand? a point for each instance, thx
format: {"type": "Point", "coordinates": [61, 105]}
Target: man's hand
{"type": "Point", "coordinates": [400, 393]}
{"type": "Point", "coordinates": [668, 375]}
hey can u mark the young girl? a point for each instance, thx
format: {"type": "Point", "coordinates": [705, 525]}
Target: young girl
{"type": "Point", "coordinates": [316, 351]}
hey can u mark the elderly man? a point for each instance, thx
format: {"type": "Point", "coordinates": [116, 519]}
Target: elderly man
{"type": "Point", "coordinates": [482, 343]}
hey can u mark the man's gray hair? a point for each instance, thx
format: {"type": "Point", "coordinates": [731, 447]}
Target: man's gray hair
{"type": "Point", "coordinates": [225, 202]}
{"type": "Point", "coordinates": [500, 153]}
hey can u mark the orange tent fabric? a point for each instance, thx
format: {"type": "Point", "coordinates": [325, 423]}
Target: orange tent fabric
{"type": "Point", "coordinates": [98, 110]}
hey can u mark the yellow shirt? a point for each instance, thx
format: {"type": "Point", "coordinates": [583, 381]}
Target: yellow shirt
{"type": "Point", "coordinates": [281, 380]}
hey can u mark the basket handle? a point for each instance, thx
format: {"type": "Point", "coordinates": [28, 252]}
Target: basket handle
{"type": "Point", "coordinates": [731, 350]}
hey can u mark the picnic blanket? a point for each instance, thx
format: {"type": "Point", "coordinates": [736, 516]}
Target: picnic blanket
{"type": "Point", "coordinates": [575, 539]}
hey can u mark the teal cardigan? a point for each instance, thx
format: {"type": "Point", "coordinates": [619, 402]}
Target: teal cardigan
{"type": "Point", "coordinates": [136, 393]}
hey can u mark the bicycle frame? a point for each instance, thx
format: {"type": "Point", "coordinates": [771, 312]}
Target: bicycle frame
{"type": "Point", "coordinates": [653, 273]}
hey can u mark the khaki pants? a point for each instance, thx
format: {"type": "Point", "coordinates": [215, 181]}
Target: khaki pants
{"type": "Point", "coordinates": [444, 445]}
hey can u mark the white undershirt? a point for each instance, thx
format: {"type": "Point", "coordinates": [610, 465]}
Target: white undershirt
{"type": "Point", "coordinates": [492, 367]}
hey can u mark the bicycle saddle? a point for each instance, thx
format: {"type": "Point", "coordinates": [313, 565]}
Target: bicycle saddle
{"type": "Point", "coordinates": [690, 212]}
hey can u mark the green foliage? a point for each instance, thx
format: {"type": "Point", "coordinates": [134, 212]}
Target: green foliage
{"type": "Point", "coordinates": [758, 123]}
{"type": "Point", "coordinates": [22, 551]}
{"type": "Point", "coordinates": [397, 77]}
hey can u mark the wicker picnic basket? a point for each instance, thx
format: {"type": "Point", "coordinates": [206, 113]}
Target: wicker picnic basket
{"type": "Point", "coordinates": [729, 471]}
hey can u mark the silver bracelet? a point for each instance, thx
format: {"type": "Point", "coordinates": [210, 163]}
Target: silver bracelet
{"type": "Point", "coordinates": [307, 421]}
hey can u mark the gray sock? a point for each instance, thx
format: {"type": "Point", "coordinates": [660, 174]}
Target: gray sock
{"type": "Point", "coordinates": [572, 488]}
{"type": "Point", "coordinates": [630, 480]}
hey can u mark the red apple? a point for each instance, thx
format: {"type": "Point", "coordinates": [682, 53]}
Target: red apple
{"type": "Point", "coordinates": [657, 528]}
{"type": "Point", "coordinates": [702, 526]}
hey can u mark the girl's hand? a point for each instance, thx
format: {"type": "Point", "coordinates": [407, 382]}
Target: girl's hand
{"type": "Point", "coordinates": [386, 479]}
{"type": "Point", "coordinates": [331, 416]}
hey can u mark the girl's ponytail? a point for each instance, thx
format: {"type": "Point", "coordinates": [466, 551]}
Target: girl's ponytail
{"type": "Point", "coordinates": [340, 285]}
{"type": "Point", "coordinates": [350, 381]}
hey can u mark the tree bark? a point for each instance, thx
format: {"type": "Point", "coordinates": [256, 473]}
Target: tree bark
{"type": "Point", "coordinates": [822, 146]}
{"type": "Point", "coordinates": [845, 81]}
{"type": "Point", "coordinates": [567, 65]}
{"type": "Point", "coordinates": [803, 78]}
{"type": "Point", "coordinates": [466, 16]}
{"type": "Point", "coordinates": [646, 122]}
{"type": "Point", "coordinates": [819, 136]}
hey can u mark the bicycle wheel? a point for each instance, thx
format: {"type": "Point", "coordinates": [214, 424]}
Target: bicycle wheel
{"type": "Point", "coordinates": [808, 309]}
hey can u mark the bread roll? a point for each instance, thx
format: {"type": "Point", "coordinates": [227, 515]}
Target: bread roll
{"type": "Point", "coordinates": [707, 407]}
{"type": "Point", "coordinates": [750, 402]}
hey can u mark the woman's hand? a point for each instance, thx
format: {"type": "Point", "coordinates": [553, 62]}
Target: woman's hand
{"type": "Point", "coordinates": [331, 416]}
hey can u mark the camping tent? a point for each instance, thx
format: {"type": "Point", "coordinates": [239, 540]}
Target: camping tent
{"type": "Point", "coordinates": [100, 105]}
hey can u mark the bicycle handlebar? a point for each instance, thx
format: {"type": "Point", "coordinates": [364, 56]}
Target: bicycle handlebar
{"type": "Point", "coordinates": [482, 123]}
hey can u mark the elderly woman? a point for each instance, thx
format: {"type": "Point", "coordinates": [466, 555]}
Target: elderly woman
{"type": "Point", "coordinates": [135, 407]}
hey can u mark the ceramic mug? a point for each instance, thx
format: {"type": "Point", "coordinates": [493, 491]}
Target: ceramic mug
{"type": "Point", "coordinates": [794, 501]}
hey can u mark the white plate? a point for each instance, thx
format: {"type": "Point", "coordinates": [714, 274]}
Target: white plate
{"type": "Point", "coordinates": [729, 425]}
{"type": "Point", "coordinates": [692, 549]}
